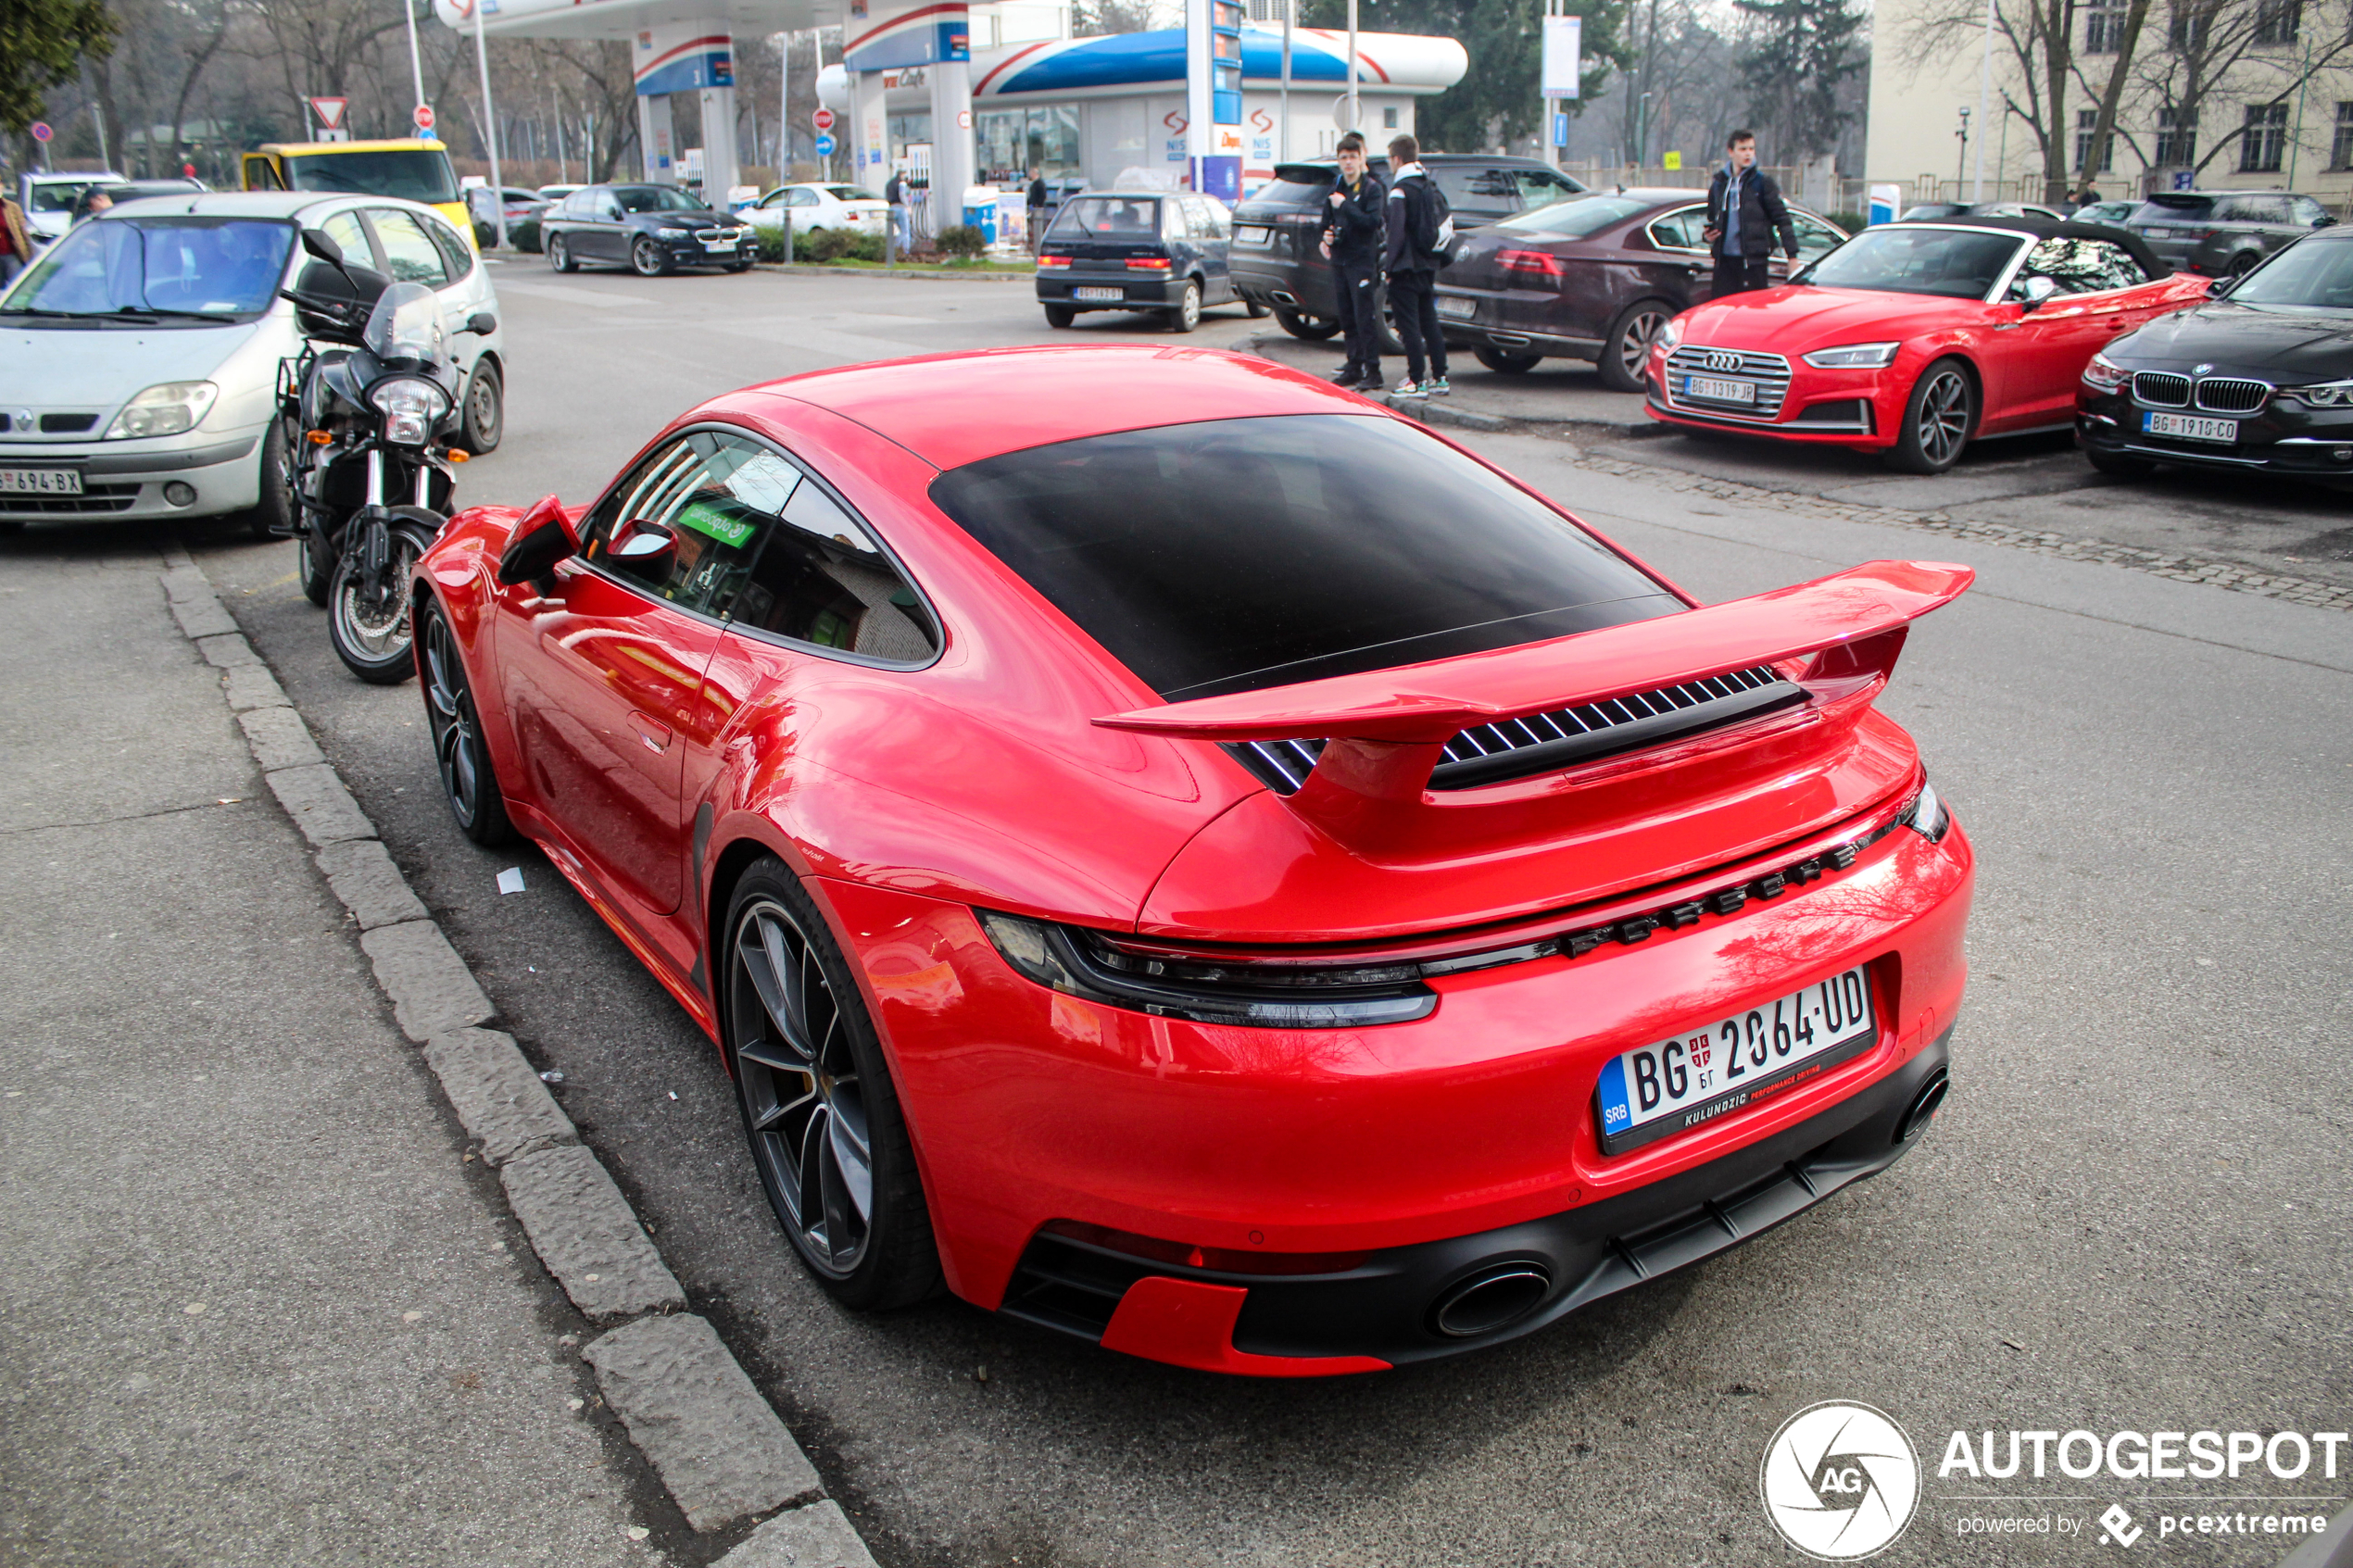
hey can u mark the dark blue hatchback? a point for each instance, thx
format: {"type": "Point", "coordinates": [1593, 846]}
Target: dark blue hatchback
{"type": "Point", "coordinates": [1136, 251]}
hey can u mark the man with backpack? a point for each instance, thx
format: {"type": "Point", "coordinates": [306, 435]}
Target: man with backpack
{"type": "Point", "coordinates": [1352, 244]}
{"type": "Point", "coordinates": [1421, 233]}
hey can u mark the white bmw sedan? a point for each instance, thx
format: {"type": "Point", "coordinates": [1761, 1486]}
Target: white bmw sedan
{"type": "Point", "coordinates": [139, 356]}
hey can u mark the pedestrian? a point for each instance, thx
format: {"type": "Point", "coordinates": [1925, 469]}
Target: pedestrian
{"type": "Point", "coordinates": [1355, 228]}
{"type": "Point", "coordinates": [2082, 198]}
{"type": "Point", "coordinates": [1038, 199]}
{"type": "Point", "coordinates": [1744, 214]}
{"type": "Point", "coordinates": [15, 242]}
{"type": "Point", "coordinates": [94, 202]}
{"type": "Point", "coordinates": [1412, 259]}
{"type": "Point", "coordinates": [895, 192]}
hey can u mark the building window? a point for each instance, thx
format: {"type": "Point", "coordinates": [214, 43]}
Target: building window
{"type": "Point", "coordinates": [2341, 150]}
{"type": "Point", "coordinates": [2276, 21]}
{"type": "Point", "coordinates": [2176, 140]}
{"type": "Point", "coordinates": [2104, 26]}
{"type": "Point", "coordinates": [1389, 118]}
{"type": "Point", "coordinates": [1268, 11]}
{"type": "Point", "coordinates": [2264, 141]}
{"type": "Point", "coordinates": [2193, 26]}
{"type": "Point", "coordinates": [2087, 121]}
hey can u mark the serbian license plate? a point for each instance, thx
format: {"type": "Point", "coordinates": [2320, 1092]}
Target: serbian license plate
{"type": "Point", "coordinates": [719, 244]}
{"type": "Point", "coordinates": [2189, 428]}
{"type": "Point", "coordinates": [1683, 1083]}
{"type": "Point", "coordinates": [1716, 391]}
{"type": "Point", "coordinates": [1458, 306]}
{"type": "Point", "coordinates": [1250, 234]}
{"type": "Point", "coordinates": [1099, 293]}
{"type": "Point", "coordinates": [40, 482]}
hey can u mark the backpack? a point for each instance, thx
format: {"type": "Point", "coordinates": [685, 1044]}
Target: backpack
{"type": "Point", "coordinates": [1434, 224]}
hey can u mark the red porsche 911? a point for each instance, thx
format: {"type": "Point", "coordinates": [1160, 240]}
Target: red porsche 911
{"type": "Point", "coordinates": [1912, 340]}
{"type": "Point", "coordinates": [1187, 858]}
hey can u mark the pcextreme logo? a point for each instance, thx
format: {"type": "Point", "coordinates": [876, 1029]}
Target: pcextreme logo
{"type": "Point", "coordinates": [1840, 1481]}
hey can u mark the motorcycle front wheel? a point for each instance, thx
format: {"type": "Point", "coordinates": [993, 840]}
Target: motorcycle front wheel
{"type": "Point", "coordinates": [368, 606]}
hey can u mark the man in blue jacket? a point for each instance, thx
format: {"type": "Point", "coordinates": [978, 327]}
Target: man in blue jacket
{"type": "Point", "coordinates": [1355, 231]}
{"type": "Point", "coordinates": [1744, 214]}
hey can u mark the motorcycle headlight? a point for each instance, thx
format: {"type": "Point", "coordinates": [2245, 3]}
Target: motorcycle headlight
{"type": "Point", "coordinates": [411, 407]}
{"type": "Point", "coordinates": [1855, 356]}
{"type": "Point", "coordinates": [169, 410]}
{"type": "Point", "coordinates": [2324, 394]}
{"type": "Point", "coordinates": [2102, 374]}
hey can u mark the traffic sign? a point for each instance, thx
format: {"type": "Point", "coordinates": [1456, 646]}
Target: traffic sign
{"type": "Point", "coordinates": [824, 147]}
{"type": "Point", "coordinates": [330, 112]}
{"type": "Point", "coordinates": [823, 120]}
{"type": "Point", "coordinates": [41, 131]}
{"type": "Point", "coordinates": [423, 117]}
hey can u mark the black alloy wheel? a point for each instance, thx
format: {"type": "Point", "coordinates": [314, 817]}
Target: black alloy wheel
{"type": "Point", "coordinates": [468, 780]}
{"type": "Point", "coordinates": [648, 259]}
{"type": "Point", "coordinates": [2241, 264]}
{"type": "Point", "coordinates": [1504, 364]}
{"type": "Point", "coordinates": [1307, 329]}
{"type": "Point", "coordinates": [486, 409]}
{"type": "Point", "coordinates": [818, 1104]}
{"type": "Point", "coordinates": [559, 254]}
{"type": "Point", "coordinates": [1625, 351]}
{"type": "Point", "coordinates": [1938, 420]}
{"type": "Point", "coordinates": [1059, 315]}
{"type": "Point", "coordinates": [1186, 316]}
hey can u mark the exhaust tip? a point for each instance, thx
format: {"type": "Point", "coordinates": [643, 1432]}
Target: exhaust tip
{"type": "Point", "coordinates": [1923, 1107]}
{"type": "Point", "coordinates": [1281, 297]}
{"type": "Point", "coordinates": [1494, 1297]}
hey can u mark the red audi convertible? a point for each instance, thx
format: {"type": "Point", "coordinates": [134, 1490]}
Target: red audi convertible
{"type": "Point", "coordinates": [1189, 859]}
{"type": "Point", "coordinates": [1914, 339]}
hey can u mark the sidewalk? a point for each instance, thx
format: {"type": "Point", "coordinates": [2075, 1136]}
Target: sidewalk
{"type": "Point", "coordinates": [257, 1304]}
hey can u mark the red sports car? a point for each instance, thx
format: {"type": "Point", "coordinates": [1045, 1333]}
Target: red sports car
{"type": "Point", "coordinates": [1193, 860]}
{"type": "Point", "coordinates": [1914, 339]}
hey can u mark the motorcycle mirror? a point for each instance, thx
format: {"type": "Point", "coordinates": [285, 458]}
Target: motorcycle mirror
{"type": "Point", "coordinates": [544, 536]}
{"type": "Point", "coordinates": [482, 323]}
{"type": "Point", "coordinates": [323, 245]}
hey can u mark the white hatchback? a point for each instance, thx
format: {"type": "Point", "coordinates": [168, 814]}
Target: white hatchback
{"type": "Point", "coordinates": [820, 206]}
{"type": "Point", "coordinates": [139, 356]}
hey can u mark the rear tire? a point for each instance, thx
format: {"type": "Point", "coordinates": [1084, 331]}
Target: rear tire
{"type": "Point", "coordinates": [2241, 264]}
{"type": "Point", "coordinates": [1504, 364]}
{"type": "Point", "coordinates": [1059, 315]}
{"type": "Point", "coordinates": [2119, 464]}
{"type": "Point", "coordinates": [1627, 349]}
{"type": "Point", "coordinates": [1307, 329]}
{"type": "Point", "coordinates": [819, 1107]}
{"type": "Point", "coordinates": [273, 514]}
{"type": "Point", "coordinates": [559, 254]}
{"type": "Point", "coordinates": [1939, 419]}
{"type": "Point", "coordinates": [1186, 316]}
{"type": "Point", "coordinates": [486, 422]}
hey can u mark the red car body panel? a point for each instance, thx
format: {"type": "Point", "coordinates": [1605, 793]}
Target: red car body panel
{"type": "Point", "coordinates": [2027, 362]}
{"type": "Point", "coordinates": [905, 797]}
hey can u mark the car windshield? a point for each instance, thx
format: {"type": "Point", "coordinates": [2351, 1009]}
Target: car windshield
{"type": "Point", "coordinates": [1575, 217]}
{"type": "Point", "coordinates": [2306, 277]}
{"type": "Point", "coordinates": [1954, 263]}
{"type": "Point", "coordinates": [1113, 218]}
{"type": "Point", "coordinates": [852, 193]}
{"type": "Point", "coordinates": [184, 265]}
{"type": "Point", "coordinates": [655, 198]}
{"type": "Point", "coordinates": [417, 174]}
{"type": "Point", "coordinates": [1236, 554]}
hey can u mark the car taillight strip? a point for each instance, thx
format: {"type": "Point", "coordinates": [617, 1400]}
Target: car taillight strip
{"type": "Point", "coordinates": [1283, 765]}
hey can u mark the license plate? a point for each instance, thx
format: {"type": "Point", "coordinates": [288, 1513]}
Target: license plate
{"type": "Point", "coordinates": [40, 482]}
{"type": "Point", "coordinates": [1691, 1080]}
{"type": "Point", "coordinates": [1719, 391]}
{"type": "Point", "coordinates": [719, 244]}
{"type": "Point", "coordinates": [1099, 293]}
{"type": "Point", "coordinates": [1456, 306]}
{"type": "Point", "coordinates": [2189, 428]}
{"type": "Point", "coordinates": [1250, 234]}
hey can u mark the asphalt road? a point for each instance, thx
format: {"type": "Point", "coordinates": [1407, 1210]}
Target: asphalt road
{"type": "Point", "coordinates": [2131, 1216]}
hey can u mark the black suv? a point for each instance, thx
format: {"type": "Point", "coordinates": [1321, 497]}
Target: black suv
{"type": "Point", "coordinates": [2223, 234]}
{"type": "Point", "coordinates": [1276, 232]}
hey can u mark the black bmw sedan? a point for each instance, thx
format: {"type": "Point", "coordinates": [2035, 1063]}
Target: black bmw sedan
{"type": "Point", "coordinates": [648, 228]}
{"type": "Point", "coordinates": [2258, 377]}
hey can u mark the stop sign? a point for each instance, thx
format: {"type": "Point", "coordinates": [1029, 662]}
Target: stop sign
{"type": "Point", "coordinates": [823, 120]}
{"type": "Point", "coordinates": [423, 117]}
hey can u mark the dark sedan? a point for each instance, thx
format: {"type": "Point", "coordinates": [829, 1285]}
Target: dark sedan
{"type": "Point", "coordinates": [1594, 277]}
{"type": "Point", "coordinates": [1136, 251]}
{"type": "Point", "coordinates": [648, 228]}
{"type": "Point", "coordinates": [2258, 377]}
{"type": "Point", "coordinates": [2223, 234]}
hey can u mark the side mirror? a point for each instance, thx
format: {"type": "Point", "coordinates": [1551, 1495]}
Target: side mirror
{"type": "Point", "coordinates": [544, 537]}
{"type": "Point", "coordinates": [2216, 287]}
{"type": "Point", "coordinates": [644, 544]}
{"type": "Point", "coordinates": [482, 323]}
{"type": "Point", "coordinates": [323, 245]}
{"type": "Point", "coordinates": [2038, 291]}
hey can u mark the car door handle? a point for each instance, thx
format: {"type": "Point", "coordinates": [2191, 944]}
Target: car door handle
{"type": "Point", "coordinates": [653, 731]}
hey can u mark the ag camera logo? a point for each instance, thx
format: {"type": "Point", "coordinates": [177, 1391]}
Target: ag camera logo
{"type": "Point", "coordinates": [1840, 1481]}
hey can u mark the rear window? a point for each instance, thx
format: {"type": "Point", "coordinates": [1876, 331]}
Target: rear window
{"type": "Point", "coordinates": [1235, 554]}
{"type": "Point", "coordinates": [1108, 218]}
{"type": "Point", "coordinates": [1576, 217]}
{"type": "Point", "coordinates": [2175, 209]}
{"type": "Point", "coordinates": [418, 174]}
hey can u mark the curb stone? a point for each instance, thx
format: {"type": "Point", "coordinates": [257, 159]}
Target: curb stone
{"type": "Point", "coordinates": [689, 1404]}
{"type": "Point", "coordinates": [815, 269]}
{"type": "Point", "coordinates": [721, 1450]}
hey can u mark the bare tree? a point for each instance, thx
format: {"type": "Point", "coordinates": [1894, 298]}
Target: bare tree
{"type": "Point", "coordinates": [2261, 52]}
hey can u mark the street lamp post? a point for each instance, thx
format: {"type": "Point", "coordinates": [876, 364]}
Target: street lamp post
{"type": "Point", "coordinates": [1960, 163]}
{"type": "Point", "coordinates": [1355, 110]}
{"type": "Point", "coordinates": [416, 61]}
{"type": "Point", "coordinates": [489, 124]}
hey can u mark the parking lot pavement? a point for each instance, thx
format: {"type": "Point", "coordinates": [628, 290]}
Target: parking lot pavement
{"type": "Point", "coordinates": [2038, 483]}
{"type": "Point", "coordinates": [254, 1306]}
{"type": "Point", "coordinates": [2129, 1216]}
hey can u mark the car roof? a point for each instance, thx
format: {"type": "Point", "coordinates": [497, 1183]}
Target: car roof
{"type": "Point", "coordinates": [2044, 228]}
{"type": "Point", "coordinates": [403, 143]}
{"type": "Point", "coordinates": [1062, 392]}
{"type": "Point", "coordinates": [258, 204]}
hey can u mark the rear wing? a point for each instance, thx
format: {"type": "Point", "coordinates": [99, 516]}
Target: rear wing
{"type": "Point", "coordinates": [1385, 728]}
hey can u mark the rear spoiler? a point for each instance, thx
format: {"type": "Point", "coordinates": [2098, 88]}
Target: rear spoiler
{"type": "Point", "coordinates": [1385, 728]}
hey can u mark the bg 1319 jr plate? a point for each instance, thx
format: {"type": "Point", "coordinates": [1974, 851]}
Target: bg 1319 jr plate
{"type": "Point", "coordinates": [1683, 1083]}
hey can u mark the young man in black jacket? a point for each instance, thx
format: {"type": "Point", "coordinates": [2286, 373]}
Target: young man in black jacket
{"type": "Point", "coordinates": [1744, 214]}
{"type": "Point", "coordinates": [1355, 231]}
{"type": "Point", "coordinates": [1413, 271]}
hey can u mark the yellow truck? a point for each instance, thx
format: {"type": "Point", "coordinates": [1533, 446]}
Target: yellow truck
{"type": "Point", "coordinates": [417, 171]}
